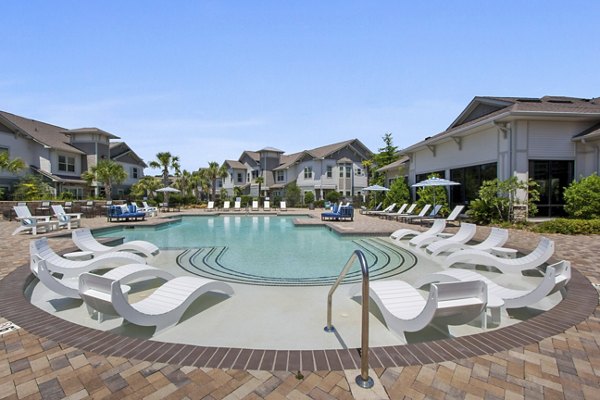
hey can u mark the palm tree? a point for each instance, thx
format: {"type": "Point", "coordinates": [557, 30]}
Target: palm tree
{"type": "Point", "coordinates": [13, 166]}
{"type": "Point", "coordinates": [165, 161]}
{"type": "Point", "coordinates": [185, 183]}
{"type": "Point", "coordinates": [106, 172]}
{"type": "Point", "coordinates": [145, 186]}
{"type": "Point", "coordinates": [212, 173]}
{"type": "Point", "coordinates": [260, 180]}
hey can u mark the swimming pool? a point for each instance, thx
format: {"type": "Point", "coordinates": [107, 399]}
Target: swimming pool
{"type": "Point", "coordinates": [268, 250]}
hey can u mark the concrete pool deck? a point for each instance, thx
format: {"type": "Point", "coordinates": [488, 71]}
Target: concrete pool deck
{"type": "Point", "coordinates": [565, 364]}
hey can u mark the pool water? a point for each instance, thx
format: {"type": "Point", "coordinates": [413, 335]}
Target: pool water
{"type": "Point", "coordinates": [268, 250]}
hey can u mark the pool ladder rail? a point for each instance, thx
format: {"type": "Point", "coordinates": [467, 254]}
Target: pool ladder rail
{"type": "Point", "coordinates": [363, 380]}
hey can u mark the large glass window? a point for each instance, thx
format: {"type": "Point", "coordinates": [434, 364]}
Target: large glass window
{"type": "Point", "coordinates": [470, 179]}
{"type": "Point", "coordinates": [552, 176]}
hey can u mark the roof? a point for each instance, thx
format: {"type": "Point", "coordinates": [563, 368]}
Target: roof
{"type": "Point", "coordinates": [396, 164]}
{"type": "Point", "coordinates": [483, 109]}
{"type": "Point", "coordinates": [121, 149]}
{"type": "Point", "coordinates": [322, 152]}
{"type": "Point", "coordinates": [590, 133]}
{"type": "Point", "coordinates": [91, 130]}
{"type": "Point", "coordinates": [271, 149]}
{"type": "Point", "coordinates": [46, 134]}
{"type": "Point", "coordinates": [234, 164]}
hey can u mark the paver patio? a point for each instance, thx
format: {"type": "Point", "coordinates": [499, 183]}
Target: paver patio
{"type": "Point", "coordinates": [564, 365]}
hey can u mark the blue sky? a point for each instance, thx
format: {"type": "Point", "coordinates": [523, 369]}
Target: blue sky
{"type": "Point", "coordinates": [207, 80]}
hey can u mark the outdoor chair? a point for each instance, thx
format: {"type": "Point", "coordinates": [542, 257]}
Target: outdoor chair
{"type": "Point", "coordinates": [85, 241]}
{"type": "Point", "coordinates": [496, 238]}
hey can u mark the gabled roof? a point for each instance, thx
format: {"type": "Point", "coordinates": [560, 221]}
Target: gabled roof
{"type": "Point", "coordinates": [121, 149]}
{"type": "Point", "coordinates": [46, 134]}
{"type": "Point", "coordinates": [486, 110]}
{"type": "Point", "coordinates": [234, 164]}
{"type": "Point", "coordinates": [322, 152]}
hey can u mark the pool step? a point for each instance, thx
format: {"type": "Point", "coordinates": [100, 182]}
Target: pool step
{"type": "Point", "coordinates": [385, 260]}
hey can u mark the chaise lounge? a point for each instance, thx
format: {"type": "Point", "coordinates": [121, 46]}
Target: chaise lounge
{"type": "Point", "coordinates": [125, 213]}
{"type": "Point", "coordinates": [163, 308]}
{"type": "Point", "coordinates": [85, 241]}
{"type": "Point", "coordinates": [405, 310]}
{"type": "Point", "coordinates": [70, 268]}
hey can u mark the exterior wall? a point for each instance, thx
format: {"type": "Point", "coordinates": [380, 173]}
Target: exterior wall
{"type": "Point", "coordinates": [51, 165]}
{"type": "Point", "coordinates": [17, 147]}
{"type": "Point", "coordinates": [479, 148]}
{"type": "Point", "coordinates": [587, 156]}
{"type": "Point", "coordinates": [129, 169]}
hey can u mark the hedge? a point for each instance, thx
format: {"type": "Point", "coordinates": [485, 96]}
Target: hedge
{"type": "Point", "coordinates": [570, 226]}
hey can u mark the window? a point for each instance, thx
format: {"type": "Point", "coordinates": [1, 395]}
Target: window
{"type": "Point", "coordinates": [348, 171]}
{"type": "Point", "coordinates": [280, 176]}
{"type": "Point", "coordinates": [552, 176]}
{"type": "Point", "coordinates": [308, 173]}
{"type": "Point", "coordinates": [329, 171]}
{"type": "Point", "coordinates": [240, 178]}
{"type": "Point", "coordinates": [358, 172]}
{"type": "Point", "coordinates": [66, 163]}
{"type": "Point", "coordinates": [134, 173]}
{"type": "Point", "coordinates": [470, 179]}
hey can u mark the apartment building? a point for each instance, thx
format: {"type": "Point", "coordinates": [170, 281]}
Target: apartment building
{"type": "Point", "coordinates": [335, 167]}
{"type": "Point", "coordinates": [61, 155]}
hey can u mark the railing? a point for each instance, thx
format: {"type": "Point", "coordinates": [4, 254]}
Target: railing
{"type": "Point", "coordinates": [363, 380]}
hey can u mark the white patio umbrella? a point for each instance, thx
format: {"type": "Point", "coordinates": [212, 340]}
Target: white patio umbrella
{"type": "Point", "coordinates": [166, 190]}
{"type": "Point", "coordinates": [435, 182]}
{"type": "Point", "coordinates": [375, 188]}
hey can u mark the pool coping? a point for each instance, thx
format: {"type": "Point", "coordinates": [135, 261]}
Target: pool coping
{"type": "Point", "coordinates": [578, 304]}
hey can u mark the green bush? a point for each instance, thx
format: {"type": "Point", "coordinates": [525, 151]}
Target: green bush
{"type": "Point", "coordinates": [582, 198]}
{"type": "Point", "coordinates": [292, 194]}
{"type": "Point", "coordinates": [570, 226]}
{"type": "Point", "coordinates": [497, 199]}
{"type": "Point", "coordinates": [31, 187]}
{"type": "Point", "coordinates": [398, 193]}
{"type": "Point", "coordinates": [309, 197]}
{"type": "Point", "coordinates": [333, 196]}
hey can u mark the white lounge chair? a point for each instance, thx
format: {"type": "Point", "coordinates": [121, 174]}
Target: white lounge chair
{"type": "Point", "coordinates": [556, 278]}
{"type": "Point", "coordinates": [226, 205]}
{"type": "Point", "coordinates": [210, 206]}
{"type": "Point", "coordinates": [237, 206]}
{"type": "Point", "coordinates": [282, 206]}
{"type": "Point", "coordinates": [409, 211]}
{"type": "Point", "coordinates": [393, 214]}
{"type": "Point", "coordinates": [537, 257]}
{"type": "Point", "coordinates": [463, 235]}
{"type": "Point", "coordinates": [69, 221]}
{"type": "Point", "coordinates": [267, 205]}
{"type": "Point", "coordinates": [70, 268]}
{"type": "Point", "coordinates": [386, 210]}
{"type": "Point", "coordinates": [85, 241]}
{"type": "Point", "coordinates": [496, 238]}
{"type": "Point", "coordinates": [69, 287]}
{"type": "Point", "coordinates": [149, 210]}
{"type": "Point", "coordinates": [32, 224]}
{"type": "Point", "coordinates": [413, 219]}
{"type": "Point", "coordinates": [437, 227]}
{"type": "Point", "coordinates": [405, 310]}
{"type": "Point", "coordinates": [452, 217]}
{"type": "Point", "coordinates": [98, 301]}
{"type": "Point", "coordinates": [254, 205]}
{"type": "Point", "coordinates": [163, 308]}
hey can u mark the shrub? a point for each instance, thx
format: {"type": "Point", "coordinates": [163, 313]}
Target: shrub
{"type": "Point", "coordinates": [333, 196]}
{"type": "Point", "coordinates": [31, 187]}
{"type": "Point", "coordinates": [582, 198]}
{"type": "Point", "coordinates": [497, 199]}
{"type": "Point", "coordinates": [246, 200]}
{"type": "Point", "coordinates": [570, 226]}
{"type": "Point", "coordinates": [309, 197]}
{"type": "Point", "coordinates": [292, 194]}
{"type": "Point", "coordinates": [398, 193]}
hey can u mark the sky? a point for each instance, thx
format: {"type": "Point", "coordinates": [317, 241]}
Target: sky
{"type": "Point", "coordinates": [207, 80]}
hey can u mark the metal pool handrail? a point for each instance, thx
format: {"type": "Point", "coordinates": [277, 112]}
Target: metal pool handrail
{"type": "Point", "coordinates": [363, 380]}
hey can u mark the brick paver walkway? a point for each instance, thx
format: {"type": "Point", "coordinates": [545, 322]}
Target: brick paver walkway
{"type": "Point", "coordinates": [564, 365]}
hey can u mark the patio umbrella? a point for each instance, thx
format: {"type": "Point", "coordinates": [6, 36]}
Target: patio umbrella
{"type": "Point", "coordinates": [375, 188]}
{"type": "Point", "coordinates": [435, 182]}
{"type": "Point", "coordinates": [166, 190]}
